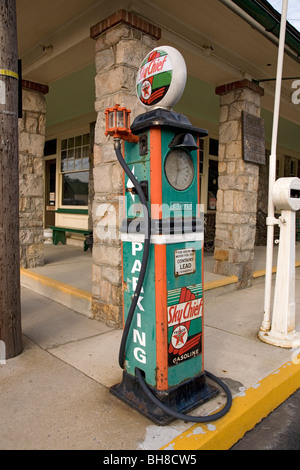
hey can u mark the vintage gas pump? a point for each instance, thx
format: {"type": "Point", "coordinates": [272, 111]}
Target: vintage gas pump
{"type": "Point", "coordinates": [162, 239]}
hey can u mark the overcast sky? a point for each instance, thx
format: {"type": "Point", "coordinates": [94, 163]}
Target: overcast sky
{"type": "Point", "coordinates": [293, 11]}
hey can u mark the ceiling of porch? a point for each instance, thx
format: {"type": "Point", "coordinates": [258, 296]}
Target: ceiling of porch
{"type": "Point", "coordinates": [218, 46]}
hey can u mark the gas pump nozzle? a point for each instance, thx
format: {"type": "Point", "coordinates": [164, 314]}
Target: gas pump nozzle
{"type": "Point", "coordinates": [144, 187]}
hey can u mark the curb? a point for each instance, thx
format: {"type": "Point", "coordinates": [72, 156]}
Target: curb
{"type": "Point", "coordinates": [73, 298]}
{"type": "Point", "coordinates": [248, 409]}
{"type": "Point", "coordinates": [31, 280]}
{"type": "Point", "coordinates": [221, 282]}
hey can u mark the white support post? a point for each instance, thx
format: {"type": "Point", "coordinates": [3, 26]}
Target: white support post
{"type": "Point", "coordinates": [266, 323]}
{"type": "Point", "coordinates": [283, 333]}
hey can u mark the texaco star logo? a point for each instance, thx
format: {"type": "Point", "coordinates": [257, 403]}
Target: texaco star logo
{"type": "Point", "coordinates": [179, 337]}
{"type": "Point", "coordinates": [146, 90]}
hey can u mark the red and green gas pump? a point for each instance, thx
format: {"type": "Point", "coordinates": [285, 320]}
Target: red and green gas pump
{"type": "Point", "coordinates": [162, 232]}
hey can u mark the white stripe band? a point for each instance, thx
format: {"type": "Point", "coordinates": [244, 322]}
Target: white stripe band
{"type": "Point", "coordinates": [163, 239]}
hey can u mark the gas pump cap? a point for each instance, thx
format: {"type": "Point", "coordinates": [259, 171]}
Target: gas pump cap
{"type": "Point", "coordinates": [161, 78]}
{"type": "Point", "coordinates": [286, 194]}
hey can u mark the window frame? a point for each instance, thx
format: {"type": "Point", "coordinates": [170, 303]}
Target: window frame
{"type": "Point", "coordinates": [66, 137]}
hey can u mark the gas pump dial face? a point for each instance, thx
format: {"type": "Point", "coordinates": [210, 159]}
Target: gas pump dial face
{"type": "Point", "coordinates": [179, 169]}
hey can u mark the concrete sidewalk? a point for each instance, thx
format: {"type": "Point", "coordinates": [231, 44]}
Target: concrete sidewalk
{"type": "Point", "coordinates": [55, 394]}
{"type": "Point", "coordinates": [67, 276]}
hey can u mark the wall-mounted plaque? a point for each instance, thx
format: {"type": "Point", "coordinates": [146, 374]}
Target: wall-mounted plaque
{"type": "Point", "coordinates": [253, 139]}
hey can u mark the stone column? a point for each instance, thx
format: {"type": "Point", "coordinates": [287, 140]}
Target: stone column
{"type": "Point", "coordinates": [31, 174]}
{"type": "Point", "coordinates": [122, 41]}
{"type": "Point", "coordinates": [238, 184]}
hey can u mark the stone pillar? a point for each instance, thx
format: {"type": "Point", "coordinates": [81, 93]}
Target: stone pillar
{"type": "Point", "coordinates": [31, 174]}
{"type": "Point", "coordinates": [122, 41]}
{"type": "Point", "coordinates": [238, 184]}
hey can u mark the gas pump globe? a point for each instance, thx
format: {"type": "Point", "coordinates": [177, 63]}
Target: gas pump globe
{"type": "Point", "coordinates": [162, 233]}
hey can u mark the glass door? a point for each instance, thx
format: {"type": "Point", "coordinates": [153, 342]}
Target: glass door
{"type": "Point", "coordinates": [50, 192]}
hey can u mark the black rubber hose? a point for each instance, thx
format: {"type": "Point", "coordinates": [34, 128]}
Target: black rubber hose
{"type": "Point", "coordinates": [139, 376]}
{"type": "Point", "coordinates": [147, 234]}
{"type": "Point", "coordinates": [177, 415]}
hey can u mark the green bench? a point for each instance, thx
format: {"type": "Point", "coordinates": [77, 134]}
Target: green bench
{"type": "Point", "coordinates": [59, 235]}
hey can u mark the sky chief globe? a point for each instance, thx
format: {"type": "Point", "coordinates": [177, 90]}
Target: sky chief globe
{"type": "Point", "coordinates": [161, 78]}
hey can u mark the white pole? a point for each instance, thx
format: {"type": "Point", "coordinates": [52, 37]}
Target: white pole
{"type": "Point", "coordinates": [283, 319]}
{"type": "Point", "coordinates": [271, 221]}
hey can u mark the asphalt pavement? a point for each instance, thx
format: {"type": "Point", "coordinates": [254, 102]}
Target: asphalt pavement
{"type": "Point", "coordinates": [280, 430]}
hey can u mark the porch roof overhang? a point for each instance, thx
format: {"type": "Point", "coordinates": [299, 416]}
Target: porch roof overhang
{"type": "Point", "coordinates": [269, 18]}
{"type": "Point", "coordinates": [221, 40]}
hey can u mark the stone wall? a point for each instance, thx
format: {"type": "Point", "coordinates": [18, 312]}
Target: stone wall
{"type": "Point", "coordinates": [238, 185]}
{"type": "Point", "coordinates": [31, 177]}
{"type": "Point", "coordinates": [122, 41]}
{"type": "Point", "coordinates": [262, 204]}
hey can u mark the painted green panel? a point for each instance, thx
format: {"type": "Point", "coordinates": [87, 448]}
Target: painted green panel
{"type": "Point", "coordinates": [132, 151]}
{"type": "Point", "coordinates": [171, 197]}
{"type": "Point", "coordinates": [71, 211]}
{"type": "Point", "coordinates": [199, 100]}
{"type": "Point", "coordinates": [141, 344]}
{"type": "Point", "coordinates": [185, 304]}
{"type": "Point", "coordinates": [288, 132]}
{"type": "Point", "coordinates": [140, 167]}
{"type": "Point", "coordinates": [71, 96]}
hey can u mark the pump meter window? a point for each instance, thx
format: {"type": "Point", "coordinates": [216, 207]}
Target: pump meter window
{"type": "Point", "coordinates": [179, 169]}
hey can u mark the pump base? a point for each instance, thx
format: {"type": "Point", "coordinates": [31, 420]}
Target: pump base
{"type": "Point", "coordinates": [289, 340]}
{"type": "Point", "coordinates": [181, 398]}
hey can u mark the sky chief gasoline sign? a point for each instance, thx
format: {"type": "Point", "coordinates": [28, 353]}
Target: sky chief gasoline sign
{"type": "Point", "coordinates": [161, 78]}
{"type": "Point", "coordinates": [154, 77]}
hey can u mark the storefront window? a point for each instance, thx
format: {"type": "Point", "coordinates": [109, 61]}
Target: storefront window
{"type": "Point", "coordinates": [294, 169]}
{"type": "Point", "coordinates": [74, 168]}
{"type": "Point", "coordinates": [75, 188]}
{"type": "Point", "coordinates": [214, 147]}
